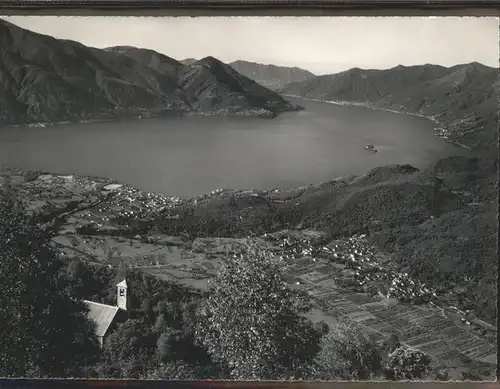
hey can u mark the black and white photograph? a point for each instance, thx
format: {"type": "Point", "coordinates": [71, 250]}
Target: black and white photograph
{"type": "Point", "coordinates": [249, 198]}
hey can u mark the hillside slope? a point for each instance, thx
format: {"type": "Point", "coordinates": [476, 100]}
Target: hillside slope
{"type": "Point", "coordinates": [271, 76]}
{"type": "Point", "coordinates": [437, 224]}
{"type": "Point", "coordinates": [214, 84]}
{"type": "Point", "coordinates": [150, 58]}
{"type": "Point", "coordinates": [188, 61]}
{"type": "Point", "coordinates": [44, 79]}
{"type": "Point", "coordinates": [462, 98]}
{"type": "Point", "coordinates": [456, 248]}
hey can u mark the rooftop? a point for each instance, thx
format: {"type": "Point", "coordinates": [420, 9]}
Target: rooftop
{"type": "Point", "coordinates": [102, 315]}
{"type": "Point", "coordinates": [122, 284]}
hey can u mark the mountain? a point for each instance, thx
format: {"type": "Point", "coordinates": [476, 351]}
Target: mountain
{"type": "Point", "coordinates": [150, 58]}
{"type": "Point", "coordinates": [44, 79]}
{"type": "Point", "coordinates": [188, 61]}
{"type": "Point", "coordinates": [271, 76]}
{"type": "Point", "coordinates": [462, 98]}
{"type": "Point", "coordinates": [215, 84]}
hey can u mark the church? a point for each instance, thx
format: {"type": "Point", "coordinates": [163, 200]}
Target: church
{"type": "Point", "coordinates": [107, 317]}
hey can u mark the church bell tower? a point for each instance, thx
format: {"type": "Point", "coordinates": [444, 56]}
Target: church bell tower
{"type": "Point", "coordinates": [121, 297]}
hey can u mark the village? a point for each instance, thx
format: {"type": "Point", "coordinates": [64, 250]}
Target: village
{"type": "Point", "coordinates": [346, 278]}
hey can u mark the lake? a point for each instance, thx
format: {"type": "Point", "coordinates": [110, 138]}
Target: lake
{"type": "Point", "coordinates": [194, 155]}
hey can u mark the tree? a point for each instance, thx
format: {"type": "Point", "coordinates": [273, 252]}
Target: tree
{"type": "Point", "coordinates": [347, 354]}
{"type": "Point", "coordinates": [322, 328]}
{"type": "Point", "coordinates": [160, 324]}
{"type": "Point", "coordinates": [442, 375]}
{"type": "Point", "coordinates": [173, 370]}
{"type": "Point", "coordinates": [407, 363]}
{"type": "Point", "coordinates": [161, 307]}
{"type": "Point", "coordinates": [191, 223]}
{"type": "Point", "coordinates": [252, 322]}
{"type": "Point", "coordinates": [45, 332]}
{"type": "Point", "coordinates": [178, 370]}
{"type": "Point", "coordinates": [173, 344]}
{"type": "Point", "coordinates": [110, 251]}
{"type": "Point", "coordinates": [165, 344]}
{"type": "Point", "coordinates": [129, 350]}
{"type": "Point", "coordinates": [147, 310]}
{"type": "Point", "coordinates": [89, 282]}
{"type": "Point", "coordinates": [389, 344]}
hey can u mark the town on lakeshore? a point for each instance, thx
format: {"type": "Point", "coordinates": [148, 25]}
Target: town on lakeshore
{"type": "Point", "coordinates": [386, 275]}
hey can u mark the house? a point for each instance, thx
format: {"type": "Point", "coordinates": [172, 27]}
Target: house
{"type": "Point", "coordinates": [106, 317]}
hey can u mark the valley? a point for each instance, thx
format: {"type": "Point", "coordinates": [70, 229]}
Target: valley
{"type": "Point", "coordinates": [348, 278]}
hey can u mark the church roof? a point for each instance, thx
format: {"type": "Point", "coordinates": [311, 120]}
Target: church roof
{"type": "Point", "coordinates": [103, 315]}
{"type": "Point", "coordinates": [122, 284]}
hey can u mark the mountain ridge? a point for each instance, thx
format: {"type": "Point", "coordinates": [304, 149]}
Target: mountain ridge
{"type": "Point", "coordinates": [188, 61]}
{"type": "Point", "coordinates": [49, 80]}
{"type": "Point", "coordinates": [269, 75]}
{"type": "Point", "coordinates": [454, 97]}
{"type": "Point", "coordinates": [211, 80]}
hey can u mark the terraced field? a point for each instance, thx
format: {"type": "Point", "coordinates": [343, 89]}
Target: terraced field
{"type": "Point", "coordinates": [427, 328]}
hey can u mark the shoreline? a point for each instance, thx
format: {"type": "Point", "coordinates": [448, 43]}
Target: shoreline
{"type": "Point", "coordinates": [438, 125]}
{"type": "Point", "coordinates": [246, 113]}
{"type": "Point", "coordinates": [109, 181]}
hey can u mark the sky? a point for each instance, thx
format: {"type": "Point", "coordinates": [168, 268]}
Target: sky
{"type": "Point", "coordinates": [321, 45]}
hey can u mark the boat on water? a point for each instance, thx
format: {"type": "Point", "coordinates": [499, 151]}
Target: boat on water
{"type": "Point", "coordinates": [371, 148]}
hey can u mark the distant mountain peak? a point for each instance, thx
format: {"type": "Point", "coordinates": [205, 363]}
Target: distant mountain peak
{"type": "Point", "coordinates": [271, 76]}
{"type": "Point", "coordinates": [209, 61]}
{"type": "Point", "coordinates": [270, 65]}
{"type": "Point", "coordinates": [477, 66]}
{"type": "Point", "coordinates": [188, 61]}
{"type": "Point", "coordinates": [453, 94]}
{"type": "Point", "coordinates": [119, 48]}
{"type": "Point", "coordinates": [144, 56]}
